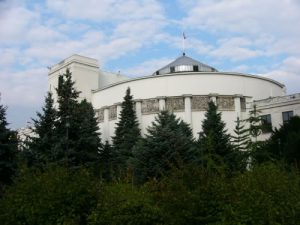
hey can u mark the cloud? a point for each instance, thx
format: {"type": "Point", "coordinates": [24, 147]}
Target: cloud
{"type": "Point", "coordinates": [23, 88]}
{"type": "Point", "coordinates": [107, 10]}
{"type": "Point", "coordinates": [288, 74]}
{"type": "Point", "coordinates": [275, 20]}
{"type": "Point", "coordinates": [147, 67]}
{"type": "Point", "coordinates": [235, 49]}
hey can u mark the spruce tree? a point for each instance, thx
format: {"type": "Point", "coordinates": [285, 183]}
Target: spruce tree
{"type": "Point", "coordinates": [127, 133]}
{"type": "Point", "coordinates": [214, 140]}
{"type": "Point", "coordinates": [241, 138]}
{"type": "Point", "coordinates": [168, 144]}
{"type": "Point", "coordinates": [8, 150]}
{"type": "Point", "coordinates": [76, 126]}
{"type": "Point", "coordinates": [39, 145]}
{"type": "Point", "coordinates": [106, 162]}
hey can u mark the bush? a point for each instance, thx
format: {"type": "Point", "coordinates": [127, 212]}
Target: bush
{"type": "Point", "coordinates": [125, 204]}
{"type": "Point", "coordinates": [55, 196]}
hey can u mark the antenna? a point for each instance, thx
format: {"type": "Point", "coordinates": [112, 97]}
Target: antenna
{"type": "Point", "coordinates": [183, 43]}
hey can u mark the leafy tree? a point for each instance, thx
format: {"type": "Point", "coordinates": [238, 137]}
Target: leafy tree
{"type": "Point", "coordinates": [284, 143]}
{"type": "Point", "coordinates": [169, 143]}
{"type": "Point", "coordinates": [40, 142]}
{"type": "Point", "coordinates": [214, 140]}
{"type": "Point", "coordinates": [8, 150]}
{"type": "Point", "coordinates": [124, 204]}
{"type": "Point", "coordinates": [55, 196]}
{"type": "Point", "coordinates": [127, 132]}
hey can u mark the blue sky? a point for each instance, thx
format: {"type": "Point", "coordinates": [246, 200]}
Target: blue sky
{"type": "Point", "coordinates": [137, 37]}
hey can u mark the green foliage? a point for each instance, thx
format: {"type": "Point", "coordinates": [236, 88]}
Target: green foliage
{"type": "Point", "coordinates": [8, 150]}
{"type": "Point", "coordinates": [214, 141]}
{"type": "Point", "coordinates": [38, 147]}
{"type": "Point", "coordinates": [55, 196]}
{"type": "Point", "coordinates": [284, 144]}
{"type": "Point", "coordinates": [69, 135]}
{"type": "Point", "coordinates": [266, 195]}
{"type": "Point", "coordinates": [169, 142]}
{"type": "Point", "coordinates": [106, 162]}
{"type": "Point", "coordinates": [127, 133]}
{"type": "Point", "coordinates": [124, 204]}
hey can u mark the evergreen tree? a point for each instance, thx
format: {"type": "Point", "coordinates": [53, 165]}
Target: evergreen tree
{"type": "Point", "coordinates": [284, 143]}
{"type": "Point", "coordinates": [241, 137]}
{"type": "Point", "coordinates": [87, 146]}
{"type": "Point", "coordinates": [214, 140]}
{"type": "Point", "coordinates": [106, 158]}
{"type": "Point", "coordinates": [240, 142]}
{"type": "Point", "coordinates": [169, 143]}
{"type": "Point", "coordinates": [255, 123]}
{"type": "Point", "coordinates": [127, 133]}
{"type": "Point", "coordinates": [8, 150]}
{"type": "Point", "coordinates": [76, 126]}
{"type": "Point", "coordinates": [40, 143]}
{"type": "Point", "coordinates": [255, 129]}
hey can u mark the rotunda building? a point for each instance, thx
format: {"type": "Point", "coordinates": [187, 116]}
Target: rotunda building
{"type": "Point", "coordinates": [185, 86]}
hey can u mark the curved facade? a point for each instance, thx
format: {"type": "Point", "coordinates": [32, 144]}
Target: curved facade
{"type": "Point", "coordinates": [185, 86]}
{"type": "Point", "coordinates": [186, 94]}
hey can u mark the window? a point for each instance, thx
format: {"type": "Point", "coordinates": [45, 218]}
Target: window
{"type": "Point", "coordinates": [172, 69]}
{"type": "Point", "coordinates": [266, 123]}
{"type": "Point", "coordinates": [195, 68]}
{"type": "Point", "coordinates": [286, 116]}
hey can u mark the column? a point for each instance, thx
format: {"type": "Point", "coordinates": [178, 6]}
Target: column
{"type": "Point", "coordinates": [119, 108]}
{"type": "Point", "coordinates": [138, 112]}
{"type": "Point", "coordinates": [162, 102]}
{"type": "Point", "coordinates": [213, 97]}
{"type": "Point", "coordinates": [237, 105]}
{"type": "Point", "coordinates": [188, 109]}
{"type": "Point", "coordinates": [106, 124]}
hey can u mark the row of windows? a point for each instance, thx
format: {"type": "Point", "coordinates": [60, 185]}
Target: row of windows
{"type": "Point", "coordinates": [267, 121]}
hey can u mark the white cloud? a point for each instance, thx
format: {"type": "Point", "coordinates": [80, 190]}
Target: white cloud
{"type": "Point", "coordinates": [235, 49]}
{"type": "Point", "coordinates": [275, 20]}
{"type": "Point", "coordinates": [23, 88]}
{"type": "Point", "coordinates": [288, 74]}
{"type": "Point", "coordinates": [107, 10]}
{"type": "Point", "coordinates": [147, 67]}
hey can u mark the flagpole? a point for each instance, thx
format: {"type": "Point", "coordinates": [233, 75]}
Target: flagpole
{"type": "Point", "coordinates": [183, 43]}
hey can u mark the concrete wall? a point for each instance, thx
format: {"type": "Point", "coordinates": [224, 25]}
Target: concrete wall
{"type": "Point", "coordinates": [186, 86]}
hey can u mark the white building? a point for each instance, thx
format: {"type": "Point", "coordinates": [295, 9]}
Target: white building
{"type": "Point", "coordinates": [184, 86]}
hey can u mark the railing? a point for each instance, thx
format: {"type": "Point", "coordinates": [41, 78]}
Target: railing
{"type": "Point", "coordinates": [278, 99]}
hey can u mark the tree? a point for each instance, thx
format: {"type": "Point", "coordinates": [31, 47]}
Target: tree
{"type": "Point", "coordinates": [127, 133]}
{"type": "Point", "coordinates": [76, 126]}
{"type": "Point", "coordinates": [169, 143]}
{"type": "Point", "coordinates": [8, 150]}
{"type": "Point", "coordinates": [240, 142]}
{"type": "Point", "coordinates": [40, 143]}
{"type": "Point", "coordinates": [214, 140]}
{"type": "Point", "coordinates": [106, 162]}
{"type": "Point", "coordinates": [284, 143]}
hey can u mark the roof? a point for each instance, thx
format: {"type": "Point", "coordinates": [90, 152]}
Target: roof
{"type": "Point", "coordinates": [185, 64]}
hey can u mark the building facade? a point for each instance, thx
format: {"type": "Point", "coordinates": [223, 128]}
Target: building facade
{"type": "Point", "coordinates": [185, 86]}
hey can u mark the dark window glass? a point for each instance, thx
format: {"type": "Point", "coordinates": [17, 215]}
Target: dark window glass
{"type": "Point", "coordinates": [195, 68]}
{"type": "Point", "coordinates": [286, 116]}
{"type": "Point", "coordinates": [157, 72]}
{"type": "Point", "coordinates": [266, 122]}
{"type": "Point", "coordinates": [172, 69]}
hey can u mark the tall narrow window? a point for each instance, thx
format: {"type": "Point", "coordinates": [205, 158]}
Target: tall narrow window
{"type": "Point", "coordinates": [286, 116]}
{"type": "Point", "coordinates": [266, 123]}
